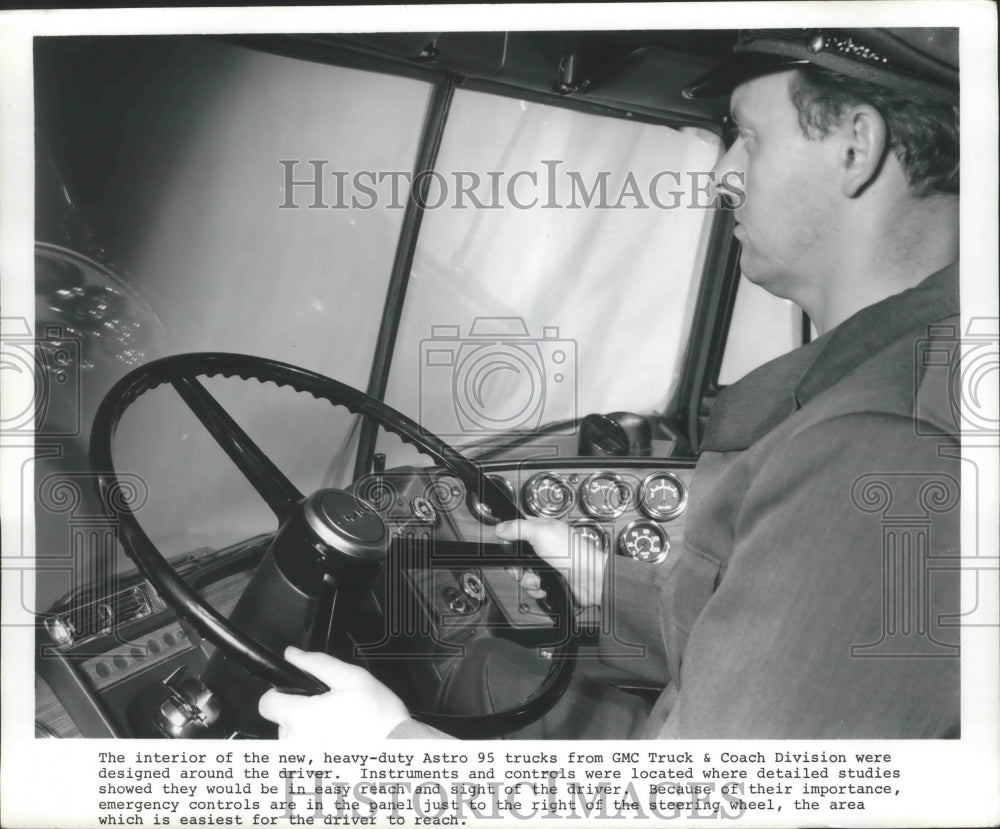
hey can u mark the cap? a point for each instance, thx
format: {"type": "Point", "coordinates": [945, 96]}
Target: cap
{"type": "Point", "coordinates": [922, 62]}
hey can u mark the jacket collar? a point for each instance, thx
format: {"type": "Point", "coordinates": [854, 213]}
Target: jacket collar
{"type": "Point", "coordinates": [750, 408]}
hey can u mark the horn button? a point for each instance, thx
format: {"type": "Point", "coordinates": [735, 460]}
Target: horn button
{"type": "Point", "coordinates": [347, 523]}
{"type": "Point", "coordinates": [331, 534]}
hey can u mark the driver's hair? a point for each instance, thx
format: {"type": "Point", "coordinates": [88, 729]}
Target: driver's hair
{"type": "Point", "coordinates": [923, 134]}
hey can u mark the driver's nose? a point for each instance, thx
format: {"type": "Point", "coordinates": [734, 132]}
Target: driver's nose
{"type": "Point", "coordinates": [729, 177]}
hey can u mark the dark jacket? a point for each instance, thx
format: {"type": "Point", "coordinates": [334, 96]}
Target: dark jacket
{"type": "Point", "coordinates": [819, 573]}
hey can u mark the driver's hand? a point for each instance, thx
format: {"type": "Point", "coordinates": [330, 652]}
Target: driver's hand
{"type": "Point", "coordinates": [577, 556]}
{"type": "Point", "coordinates": [357, 706]}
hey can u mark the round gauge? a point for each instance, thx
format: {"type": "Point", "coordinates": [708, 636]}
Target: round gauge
{"type": "Point", "coordinates": [547, 495]}
{"type": "Point", "coordinates": [645, 541]}
{"type": "Point", "coordinates": [605, 495]}
{"type": "Point", "coordinates": [663, 496]}
{"type": "Point", "coordinates": [593, 531]}
{"type": "Point", "coordinates": [481, 510]}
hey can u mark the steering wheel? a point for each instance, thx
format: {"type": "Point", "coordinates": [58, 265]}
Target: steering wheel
{"type": "Point", "coordinates": [329, 543]}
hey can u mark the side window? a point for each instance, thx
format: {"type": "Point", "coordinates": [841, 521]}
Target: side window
{"type": "Point", "coordinates": [762, 327]}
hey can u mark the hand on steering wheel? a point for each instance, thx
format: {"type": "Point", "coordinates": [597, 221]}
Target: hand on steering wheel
{"type": "Point", "coordinates": [575, 555]}
{"type": "Point", "coordinates": [357, 706]}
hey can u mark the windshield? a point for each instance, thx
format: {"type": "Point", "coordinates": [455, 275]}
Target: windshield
{"type": "Point", "coordinates": [555, 271]}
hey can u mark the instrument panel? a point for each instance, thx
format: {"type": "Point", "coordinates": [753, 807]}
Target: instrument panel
{"type": "Point", "coordinates": [630, 507]}
{"type": "Point", "coordinates": [624, 511]}
{"type": "Point", "coordinates": [632, 510]}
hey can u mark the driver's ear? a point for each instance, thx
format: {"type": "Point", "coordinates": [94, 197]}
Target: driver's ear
{"type": "Point", "coordinates": [863, 144]}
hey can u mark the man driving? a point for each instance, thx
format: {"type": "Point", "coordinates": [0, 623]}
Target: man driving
{"type": "Point", "coordinates": [804, 604]}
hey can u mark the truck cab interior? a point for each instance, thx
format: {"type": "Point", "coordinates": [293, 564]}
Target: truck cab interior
{"type": "Point", "coordinates": [315, 312]}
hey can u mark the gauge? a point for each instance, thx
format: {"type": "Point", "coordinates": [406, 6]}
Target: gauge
{"type": "Point", "coordinates": [645, 541]}
{"type": "Point", "coordinates": [663, 496]}
{"type": "Point", "coordinates": [548, 495]}
{"type": "Point", "coordinates": [481, 510]}
{"type": "Point", "coordinates": [605, 495]}
{"type": "Point", "coordinates": [593, 531]}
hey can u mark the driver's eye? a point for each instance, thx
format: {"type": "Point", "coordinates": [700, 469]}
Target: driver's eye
{"type": "Point", "coordinates": [730, 131]}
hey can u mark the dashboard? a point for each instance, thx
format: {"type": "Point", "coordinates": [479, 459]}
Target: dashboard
{"type": "Point", "coordinates": [102, 651]}
{"type": "Point", "coordinates": [632, 507]}
{"type": "Point", "coordinates": [114, 659]}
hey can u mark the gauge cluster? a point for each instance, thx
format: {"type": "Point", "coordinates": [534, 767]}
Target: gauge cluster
{"type": "Point", "coordinates": [636, 511]}
{"type": "Point", "coordinates": [633, 512]}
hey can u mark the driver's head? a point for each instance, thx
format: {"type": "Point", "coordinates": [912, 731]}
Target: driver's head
{"type": "Point", "coordinates": [843, 139]}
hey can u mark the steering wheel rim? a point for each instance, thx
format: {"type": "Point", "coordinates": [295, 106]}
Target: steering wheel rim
{"type": "Point", "coordinates": [181, 372]}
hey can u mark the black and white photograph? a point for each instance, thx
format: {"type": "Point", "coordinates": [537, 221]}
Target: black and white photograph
{"type": "Point", "coordinates": [383, 383]}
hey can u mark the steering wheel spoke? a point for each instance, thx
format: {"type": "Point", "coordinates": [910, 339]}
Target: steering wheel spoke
{"type": "Point", "coordinates": [463, 554]}
{"type": "Point", "coordinates": [269, 481]}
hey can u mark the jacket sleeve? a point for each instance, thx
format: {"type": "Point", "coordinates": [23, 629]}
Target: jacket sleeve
{"type": "Point", "coordinates": [633, 616]}
{"type": "Point", "coordinates": [831, 618]}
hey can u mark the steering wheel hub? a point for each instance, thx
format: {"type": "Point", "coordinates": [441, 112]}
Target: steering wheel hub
{"type": "Point", "coordinates": [347, 523]}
